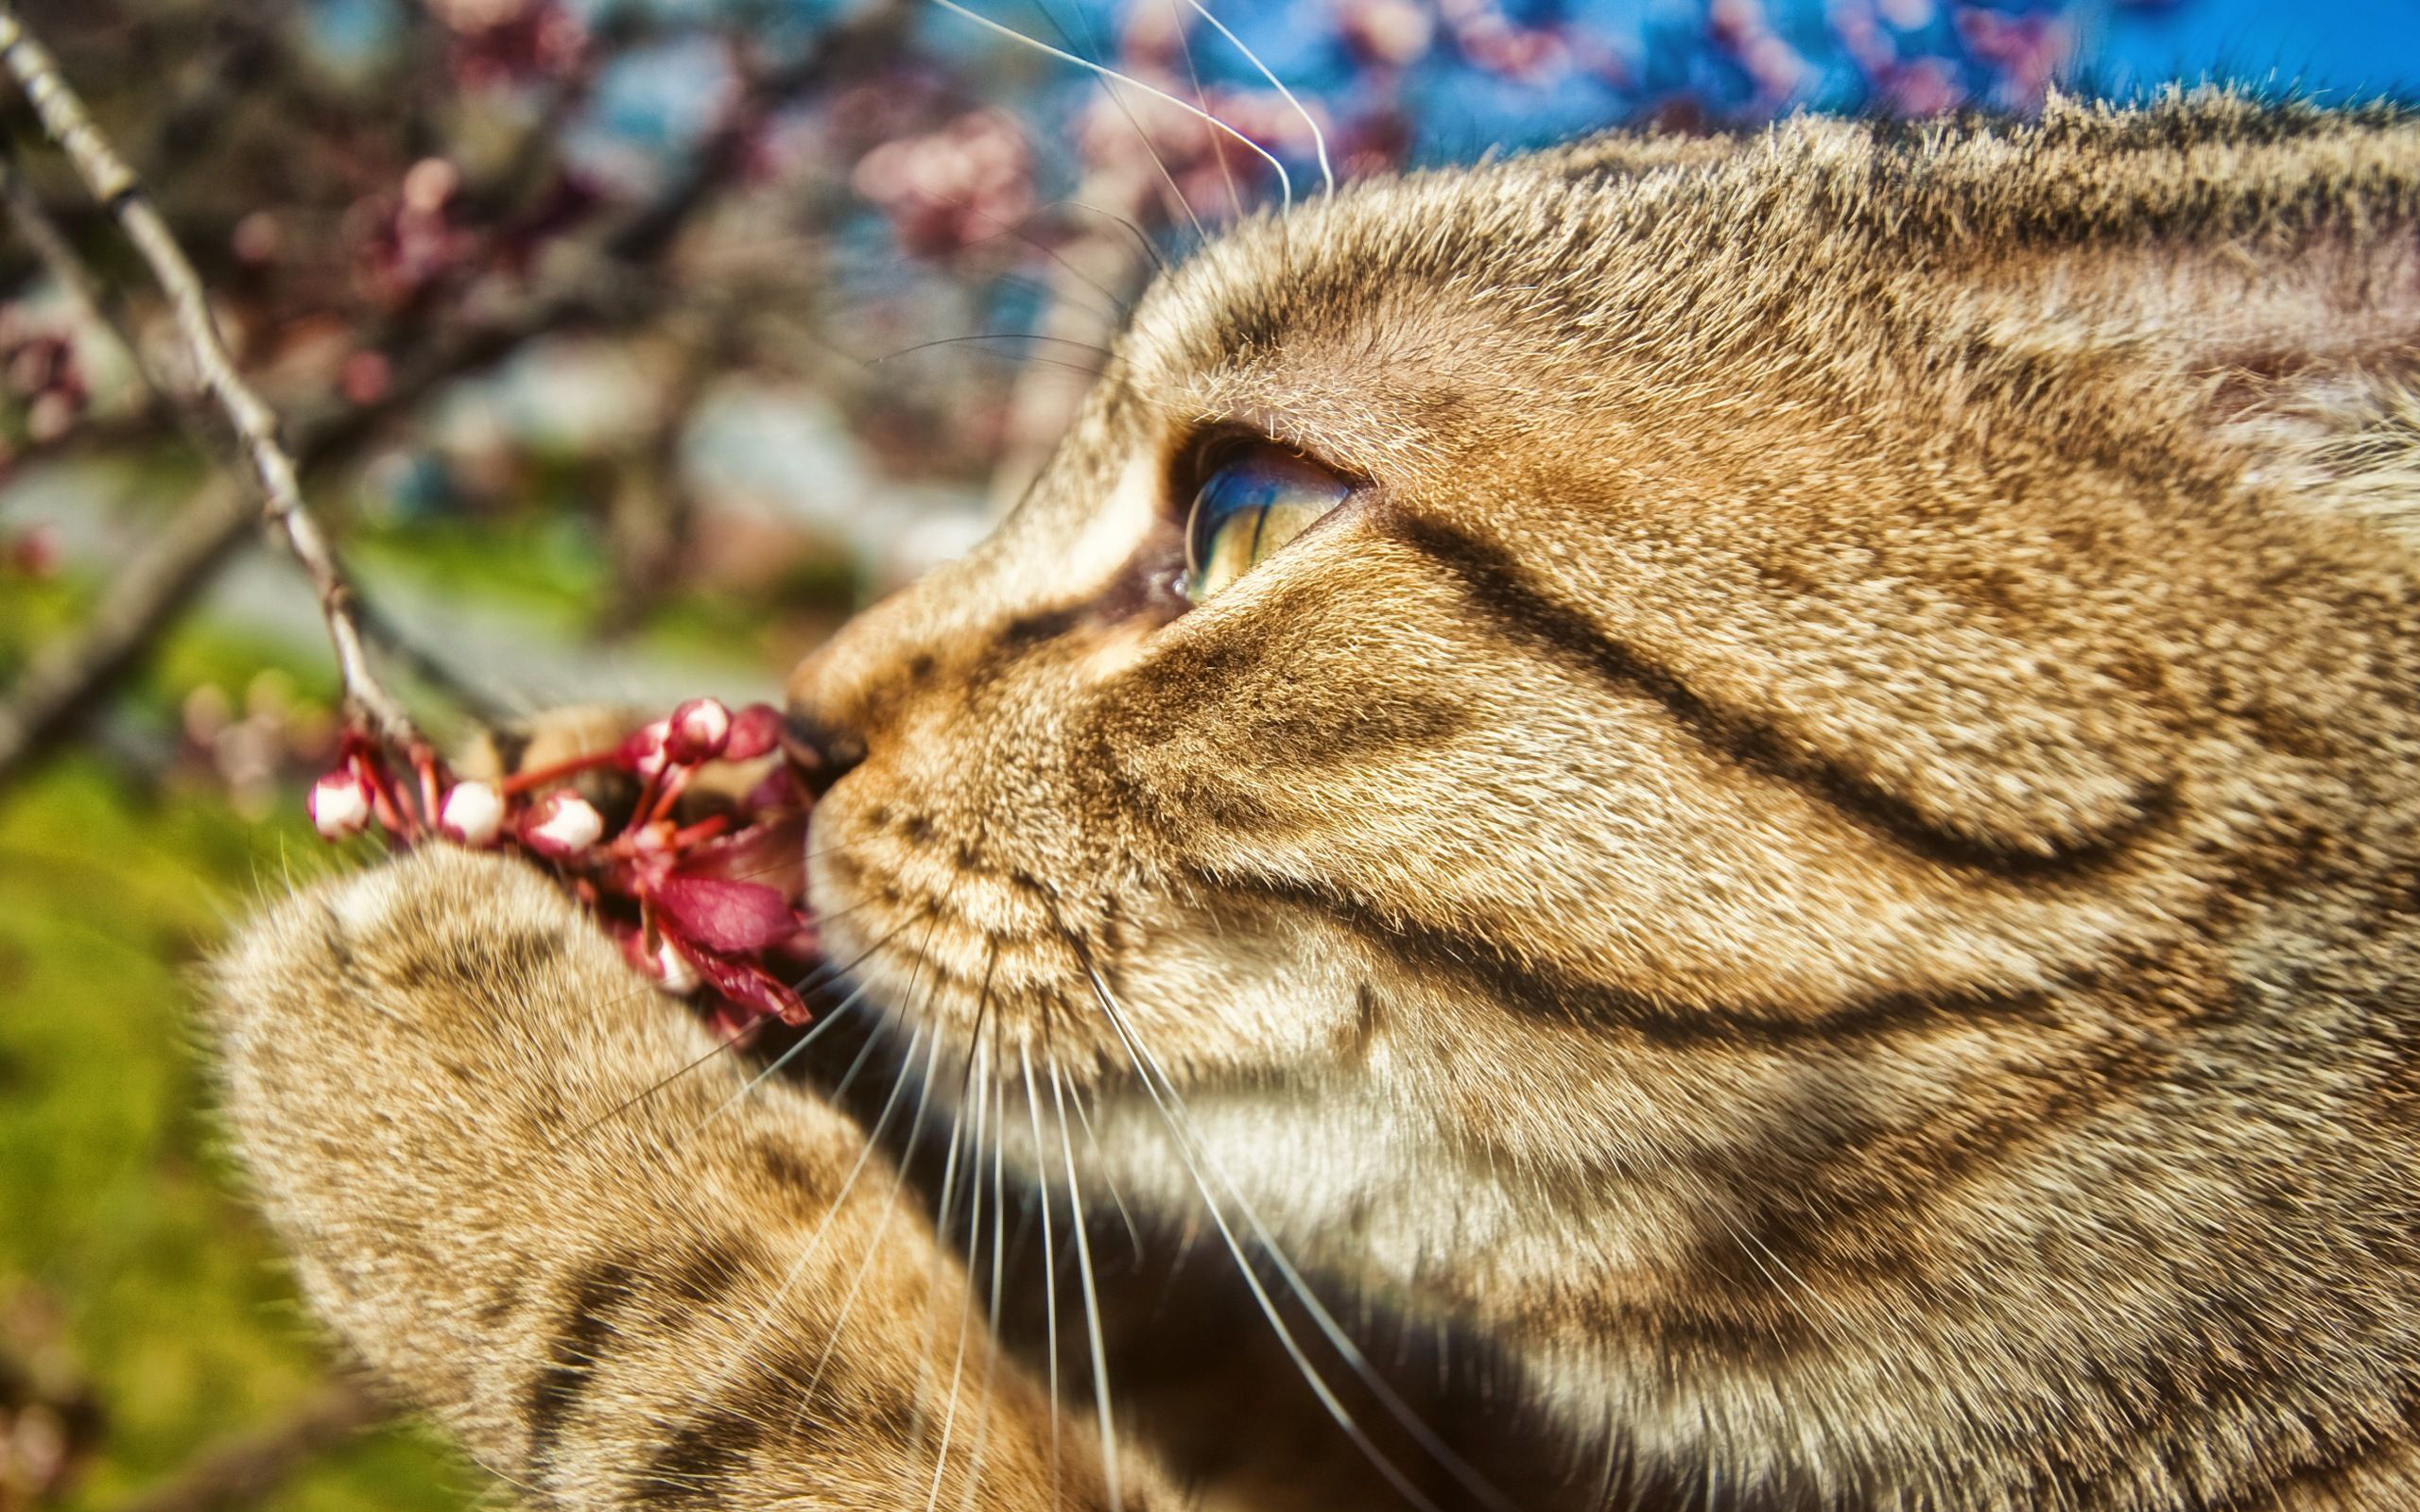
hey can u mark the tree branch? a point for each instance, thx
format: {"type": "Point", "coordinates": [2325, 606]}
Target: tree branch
{"type": "Point", "coordinates": [57, 254]}
{"type": "Point", "coordinates": [115, 186]}
{"type": "Point", "coordinates": [105, 651]}
{"type": "Point", "coordinates": [66, 677]}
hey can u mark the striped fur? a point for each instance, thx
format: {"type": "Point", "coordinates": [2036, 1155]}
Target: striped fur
{"type": "Point", "coordinates": [1823, 862]}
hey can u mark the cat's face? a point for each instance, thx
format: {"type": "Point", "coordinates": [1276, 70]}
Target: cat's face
{"type": "Point", "coordinates": [1748, 707]}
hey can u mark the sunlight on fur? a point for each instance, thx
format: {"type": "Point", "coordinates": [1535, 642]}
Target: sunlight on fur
{"type": "Point", "coordinates": [1803, 899]}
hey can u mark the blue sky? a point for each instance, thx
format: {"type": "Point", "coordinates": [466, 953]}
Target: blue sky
{"type": "Point", "coordinates": [2343, 46]}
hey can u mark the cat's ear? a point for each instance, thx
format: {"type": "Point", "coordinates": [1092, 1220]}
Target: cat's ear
{"type": "Point", "coordinates": [2268, 258]}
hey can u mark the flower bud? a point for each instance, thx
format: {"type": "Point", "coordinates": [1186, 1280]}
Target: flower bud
{"type": "Point", "coordinates": [339, 803]}
{"type": "Point", "coordinates": [643, 749]}
{"type": "Point", "coordinates": [471, 813]}
{"type": "Point", "coordinates": [699, 729]}
{"type": "Point", "coordinates": [673, 971]}
{"type": "Point", "coordinates": [562, 824]}
{"type": "Point", "coordinates": [753, 732]}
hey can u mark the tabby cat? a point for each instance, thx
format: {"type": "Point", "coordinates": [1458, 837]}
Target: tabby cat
{"type": "Point", "coordinates": [1754, 803]}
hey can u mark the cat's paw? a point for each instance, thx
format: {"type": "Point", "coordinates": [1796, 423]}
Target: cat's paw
{"type": "Point", "coordinates": [534, 1196]}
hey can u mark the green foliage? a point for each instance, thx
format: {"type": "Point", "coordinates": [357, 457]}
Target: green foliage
{"type": "Point", "coordinates": [114, 1198]}
{"type": "Point", "coordinates": [553, 568]}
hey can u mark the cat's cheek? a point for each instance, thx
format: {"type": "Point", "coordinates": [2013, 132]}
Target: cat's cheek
{"type": "Point", "coordinates": [1229, 988]}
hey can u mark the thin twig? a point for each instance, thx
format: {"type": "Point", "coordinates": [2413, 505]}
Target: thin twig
{"type": "Point", "coordinates": [94, 306]}
{"type": "Point", "coordinates": [117, 189]}
{"type": "Point", "coordinates": [64, 676]}
{"type": "Point", "coordinates": [58, 256]}
{"type": "Point", "coordinates": [80, 670]}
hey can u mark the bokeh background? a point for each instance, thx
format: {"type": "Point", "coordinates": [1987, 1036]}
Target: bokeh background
{"type": "Point", "coordinates": [627, 346]}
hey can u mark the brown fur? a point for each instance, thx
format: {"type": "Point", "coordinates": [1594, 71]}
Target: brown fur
{"type": "Point", "coordinates": [1822, 859]}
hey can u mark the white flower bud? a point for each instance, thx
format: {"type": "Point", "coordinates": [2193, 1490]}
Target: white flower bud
{"type": "Point", "coordinates": [673, 971]}
{"type": "Point", "coordinates": [339, 803]}
{"type": "Point", "coordinates": [562, 824]}
{"type": "Point", "coordinates": [471, 813]}
{"type": "Point", "coordinates": [699, 730]}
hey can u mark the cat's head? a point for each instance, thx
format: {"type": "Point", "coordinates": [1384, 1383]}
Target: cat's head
{"type": "Point", "coordinates": [1675, 655]}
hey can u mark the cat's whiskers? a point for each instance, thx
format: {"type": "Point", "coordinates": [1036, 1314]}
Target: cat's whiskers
{"type": "Point", "coordinates": [959, 1136]}
{"type": "Point", "coordinates": [1011, 335]}
{"type": "Point", "coordinates": [727, 1045]}
{"type": "Point", "coordinates": [1168, 180]}
{"type": "Point", "coordinates": [1112, 318]}
{"type": "Point", "coordinates": [1142, 240]}
{"type": "Point", "coordinates": [1092, 1299]}
{"type": "Point", "coordinates": [1202, 97]}
{"type": "Point", "coordinates": [848, 1183]}
{"type": "Point", "coordinates": [882, 1228]}
{"type": "Point", "coordinates": [999, 1234]}
{"type": "Point", "coordinates": [1284, 180]}
{"type": "Point", "coordinates": [857, 1064]}
{"type": "Point", "coordinates": [1319, 137]}
{"type": "Point", "coordinates": [1193, 1151]}
{"type": "Point", "coordinates": [974, 1248]}
{"type": "Point", "coordinates": [745, 1346]}
{"type": "Point", "coordinates": [1017, 229]}
{"type": "Point", "coordinates": [721, 1047]}
{"type": "Point", "coordinates": [828, 972]}
{"type": "Point", "coordinates": [1100, 1159]}
{"type": "Point", "coordinates": [817, 853]}
{"type": "Point", "coordinates": [830, 1017]}
{"type": "Point", "coordinates": [1049, 1258]}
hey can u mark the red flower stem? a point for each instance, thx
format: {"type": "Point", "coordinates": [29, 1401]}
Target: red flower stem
{"type": "Point", "coordinates": [425, 764]}
{"type": "Point", "coordinates": [384, 802]}
{"type": "Point", "coordinates": [705, 829]}
{"type": "Point", "coordinates": [648, 787]}
{"type": "Point", "coordinates": [675, 779]}
{"type": "Point", "coordinates": [522, 782]}
{"type": "Point", "coordinates": [390, 817]}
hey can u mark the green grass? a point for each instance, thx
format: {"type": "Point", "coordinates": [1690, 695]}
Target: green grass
{"type": "Point", "coordinates": [114, 1199]}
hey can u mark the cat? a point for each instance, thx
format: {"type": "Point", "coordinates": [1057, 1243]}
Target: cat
{"type": "Point", "coordinates": [1772, 781]}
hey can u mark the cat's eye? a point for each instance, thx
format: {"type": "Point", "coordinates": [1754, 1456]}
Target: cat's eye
{"type": "Point", "coordinates": [1252, 499]}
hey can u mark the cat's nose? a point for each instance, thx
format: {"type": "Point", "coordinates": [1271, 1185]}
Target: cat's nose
{"type": "Point", "coordinates": [821, 754]}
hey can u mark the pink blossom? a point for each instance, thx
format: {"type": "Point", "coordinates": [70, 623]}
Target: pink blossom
{"type": "Point", "coordinates": [1390, 33]}
{"type": "Point", "coordinates": [645, 749]}
{"type": "Point", "coordinates": [712, 904]}
{"type": "Point", "coordinates": [699, 730]}
{"type": "Point", "coordinates": [753, 732]}
{"type": "Point", "coordinates": [731, 917]}
{"type": "Point", "coordinates": [945, 190]}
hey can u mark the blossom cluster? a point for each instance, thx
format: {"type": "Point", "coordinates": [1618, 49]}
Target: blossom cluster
{"type": "Point", "coordinates": [707, 904]}
{"type": "Point", "coordinates": [40, 373]}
